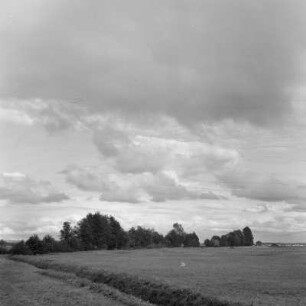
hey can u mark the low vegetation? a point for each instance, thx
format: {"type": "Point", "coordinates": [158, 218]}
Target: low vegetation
{"type": "Point", "coordinates": [5, 247]}
{"type": "Point", "coordinates": [105, 290]}
{"type": "Point", "coordinates": [258, 276]}
{"type": "Point", "coordinates": [157, 293]}
{"type": "Point", "coordinates": [23, 284]}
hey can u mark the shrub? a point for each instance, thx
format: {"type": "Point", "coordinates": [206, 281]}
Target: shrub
{"type": "Point", "coordinates": [176, 237]}
{"type": "Point", "coordinates": [235, 238]}
{"type": "Point", "coordinates": [49, 244]}
{"type": "Point", "coordinates": [4, 247]}
{"type": "Point", "coordinates": [35, 245]}
{"type": "Point", "coordinates": [20, 248]}
{"type": "Point", "coordinates": [191, 240]}
{"type": "Point", "coordinates": [3, 250]}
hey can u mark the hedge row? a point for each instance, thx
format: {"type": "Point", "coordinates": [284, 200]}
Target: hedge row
{"type": "Point", "coordinates": [155, 293]}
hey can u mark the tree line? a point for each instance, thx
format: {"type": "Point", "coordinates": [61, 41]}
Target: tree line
{"type": "Point", "coordinates": [97, 231]}
{"type": "Point", "coordinates": [235, 238]}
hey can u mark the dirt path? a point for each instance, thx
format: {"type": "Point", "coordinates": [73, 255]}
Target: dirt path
{"type": "Point", "coordinates": [22, 285]}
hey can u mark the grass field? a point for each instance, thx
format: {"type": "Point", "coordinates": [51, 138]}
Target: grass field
{"type": "Point", "coordinates": [22, 284]}
{"type": "Point", "coordinates": [251, 275]}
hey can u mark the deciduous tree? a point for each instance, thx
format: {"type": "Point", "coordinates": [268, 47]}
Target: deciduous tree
{"type": "Point", "coordinates": [191, 240]}
{"type": "Point", "coordinates": [248, 236]}
{"type": "Point", "coordinates": [35, 245]}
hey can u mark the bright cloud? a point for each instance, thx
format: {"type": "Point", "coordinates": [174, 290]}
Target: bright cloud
{"type": "Point", "coordinates": [54, 115]}
{"type": "Point", "coordinates": [17, 188]}
{"type": "Point", "coordinates": [133, 188]}
{"type": "Point", "coordinates": [191, 111]}
{"type": "Point", "coordinates": [265, 188]}
{"type": "Point", "coordinates": [14, 116]}
{"type": "Point", "coordinates": [135, 153]}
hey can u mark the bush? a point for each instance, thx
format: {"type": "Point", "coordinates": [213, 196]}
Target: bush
{"type": "Point", "coordinates": [231, 239]}
{"type": "Point", "coordinates": [49, 244]}
{"type": "Point", "coordinates": [176, 237]}
{"type": "Point", "coordinates": [20, 248]}
{"type": "Point", "coordinates": [4, 247]}
{"type": "Point", "coordinates": [191, 240]}
{"type": "Point", "coordinates": [141, 237]}
{"type": "Point", "coordinates": [3, 250]}
{"type": "Point", "coordinates": [35, 245]}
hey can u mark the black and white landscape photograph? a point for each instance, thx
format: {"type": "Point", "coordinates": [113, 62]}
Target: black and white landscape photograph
{"type": "Point", "coordinates": [153, 152]}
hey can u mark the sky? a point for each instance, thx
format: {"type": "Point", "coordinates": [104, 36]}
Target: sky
{"type": "Point", "coordinates": [154, 112]}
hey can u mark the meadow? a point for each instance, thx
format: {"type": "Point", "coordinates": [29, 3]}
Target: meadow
{"type": "Point", "coordinates": [25, 285]}
{"type": "Point", "coordinates": [248, 275]}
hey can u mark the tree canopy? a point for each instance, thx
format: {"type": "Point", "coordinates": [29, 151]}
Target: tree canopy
{"type": "Point", "coordinates": [234, 238]}
{"type": "Point", "coordinates": [97, 231]}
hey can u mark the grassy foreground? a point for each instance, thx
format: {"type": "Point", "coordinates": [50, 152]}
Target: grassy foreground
{"type": "Point", "coordinates": [258, 276]}
{"type": "Point", "coordinates": [22, 284]}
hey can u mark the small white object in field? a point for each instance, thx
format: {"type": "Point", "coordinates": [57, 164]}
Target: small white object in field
{"type": "Point", "coordinates": [183, 265]}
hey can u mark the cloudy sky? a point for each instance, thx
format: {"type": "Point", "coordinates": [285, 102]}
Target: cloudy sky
{"type": "Point", "coordinates": [155, 112]}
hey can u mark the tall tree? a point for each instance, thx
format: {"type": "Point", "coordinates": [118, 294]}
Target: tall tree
{"type": "Point", "coordinates": [224, 240]}
{"type": "Point", "coordinates": [94, 231]}
{"type": "Point", "coordinates": [69, 238]}
{"type": "Point", "coordinates": [176, 237]}
{"type": "Point", "coordinates": [248, 237]}
{"type": "Point", "coordinates": [35, 245]}
{"type": "Point", "coordinates": [49, 244]}
{"type": "Point", "coordinates": [140, 237]}
{"type": "Point", "coordinates": [85, 234]}
{"type": "Point", "coordinates": [215, 241]}
{"type": "Point", "coordinates": [66, 233]}
{"type": "Point", "coordinates": [21, 248]}
{"type": "Point", "coordinates": [98, 231]}
{"type": "Point", "coordinates": [118, 235]}
{"type": "Point", "coordinates": [179, 229]}
{"type": "Point", "coordinates": [191, 240]}
{"type": "Point", "coordinates": [207, 242]}
{"type": "Point", "coordinates": [157, 238]}
{"type": "Point", "coordinates": [101, 230]}
{"type": "Point", "coordinates": [238, 237]}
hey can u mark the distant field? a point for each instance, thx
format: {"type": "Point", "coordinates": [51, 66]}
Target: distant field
{"type": "Point", "coordinates": [258, 275]}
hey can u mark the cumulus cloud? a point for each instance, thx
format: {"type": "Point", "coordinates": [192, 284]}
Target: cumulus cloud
{"type": "Point", "coordinates": [14, 116]}
{"type": "Point", "coordinates": [262, 187]}
{"type": "Point", "coordinates": [162, 187]}
{"type": "Point", "coordinates": [53, 115]}
{"type": "Point", "coordinates": [84, 180]}
{"type": "Point", "coordinates": [195, 61]}
{"type": "Point", "coordinates": [14, 175]}
{"type": "Point", "coordinates": [133, 188]}
{"type": "Point", "coordinates": [175, 96]}
{"type": "Point", "coordinates": [110, 140]}
{"type": "Point", "coordinates": [138, 153]}
{"type": "Point", "coordinates": [134, 154]}
{"type": "Point", "coordinates": [17, 188]}
{"type": "Point", "coordinates": [19, 228]}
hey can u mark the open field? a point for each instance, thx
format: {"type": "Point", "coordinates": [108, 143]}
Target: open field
{"type": "Point", "coordinates": [258, 276]}
{"type": "Point", "coordinates": [24, 285]}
